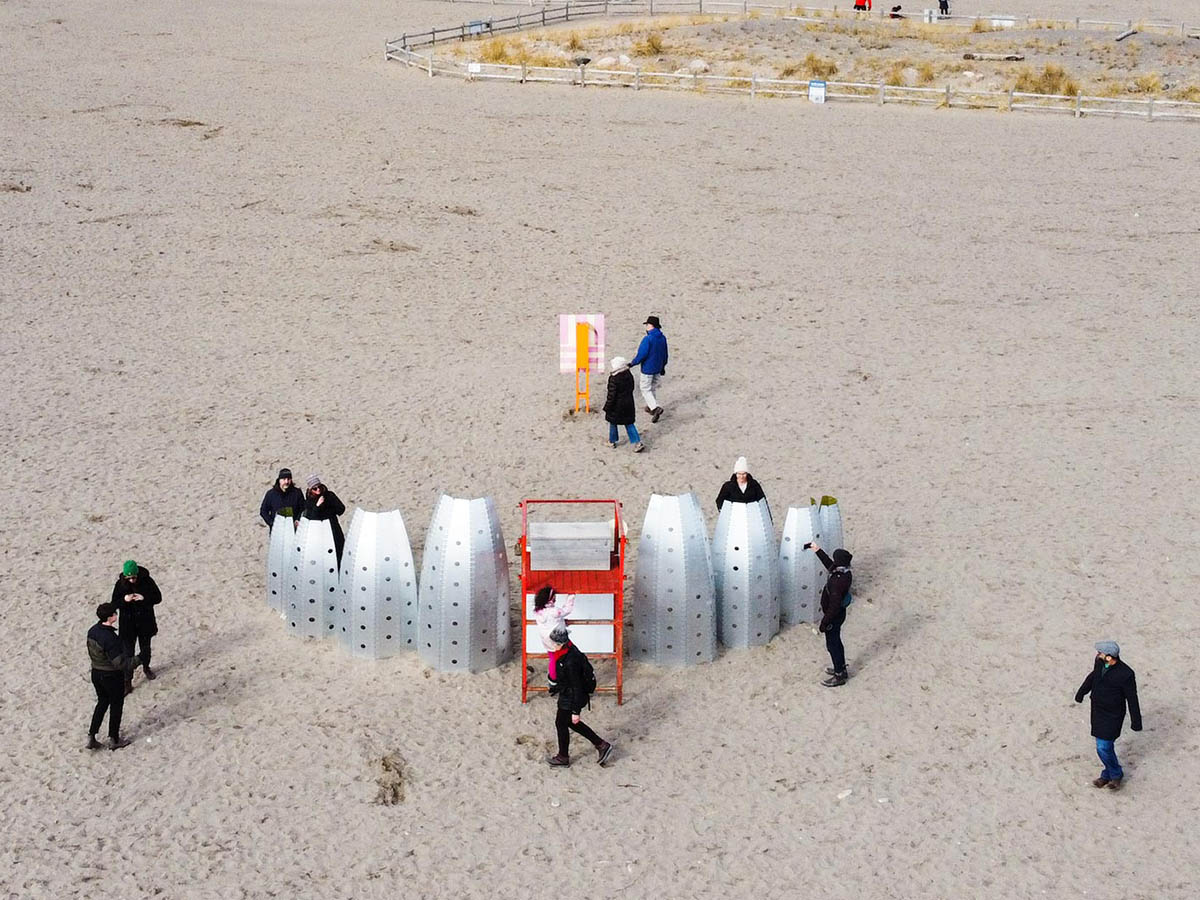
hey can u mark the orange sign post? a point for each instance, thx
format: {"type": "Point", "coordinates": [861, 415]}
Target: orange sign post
{"type": "Point", "coordinates": [583, 337]}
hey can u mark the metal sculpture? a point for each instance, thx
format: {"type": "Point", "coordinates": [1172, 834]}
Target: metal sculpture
{"type": "Point", "coordinates": [674, 611]}
{"type": "Point", "coordinates": [746, 575]}
{"type": "Point", "coordinates": [831, 535]}
{"type": "Point", "coordinates": [462, 615]}
{"type": "Point", "coordinates": [801, 574]}
{"type": "Point", "coordinates": [312, 598]}
{"type": "Point", "coordinates": [280, 550]}
{"type": "Point", "coordinates": [377, 616]}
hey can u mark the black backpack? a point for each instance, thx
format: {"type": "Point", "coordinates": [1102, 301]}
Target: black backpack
{"type": "Point", "coordinates": [587, 676]}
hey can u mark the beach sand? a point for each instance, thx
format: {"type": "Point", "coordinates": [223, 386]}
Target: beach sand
{"type": "Point", "coordinates": [247, 241]}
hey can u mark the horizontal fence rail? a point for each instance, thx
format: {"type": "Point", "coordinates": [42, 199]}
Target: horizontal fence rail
{"type": "Point", "coordinates": [403, 49]}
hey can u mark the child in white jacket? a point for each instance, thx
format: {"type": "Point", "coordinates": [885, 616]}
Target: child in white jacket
{"type": "Point", "coordinates": [550, 611]}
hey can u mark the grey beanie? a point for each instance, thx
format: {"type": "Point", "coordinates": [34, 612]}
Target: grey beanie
{"type": "Point", "coordinates": [1108, 648]}
{"type": "Point", "coordinates": [560, 635]}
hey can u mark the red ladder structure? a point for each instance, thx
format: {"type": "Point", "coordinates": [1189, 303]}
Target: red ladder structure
{"type": "Point", "coordinates": [598, 585]}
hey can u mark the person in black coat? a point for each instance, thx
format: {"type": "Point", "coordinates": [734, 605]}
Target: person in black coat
{"type": "Point", "coordinates": [135, 595]}
{"type": "Point", "coordinates": [741, 486]}
{"type": "Point", "coordinates": [572, 698]}
{"type": "Point", "coordinates": [619, 406]}
{"type": "Point", "coordinates": [1113, 686]}
{"type": "Point", "coordinates": [106, 653]}
{"type": "Point", "coordinates": [282, 499]}
{"type": "Point", "coordinates": [833, 610]}
{"type": "Point", "coordinates": [322, 503]}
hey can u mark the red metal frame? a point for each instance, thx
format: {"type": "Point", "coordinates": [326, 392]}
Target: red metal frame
{"type": "Point", "coordinates": [571, 581]}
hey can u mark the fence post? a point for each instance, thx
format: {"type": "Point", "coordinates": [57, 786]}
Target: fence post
{"type": "Point", "coordinates": [524, 72]}
{"type": "Point", "coordinates": [462, 32]}
{"type": "Point", "coordinates": [637, 78]}
{"type": "Point", "coordinates": [543, 15]}
{"type": "Point", "coordinates": [881, 89]}
{"type": "Point", "coordinates": [582, 76]}
{"type": "Point", "coordinates": [1150, 109]}
{"type": "Point", "coordinates": [745, 7]}
{"type": "Point", "coordinates": [430, 64]}
{"type": "Point", "coordinates": [1078, 105]}
{"type": "Point", "coordinates": [753, 86]}
{"type": "Point", "coordinates": [651, 7]}
{"type": "Point", "coordinates": [567, 14]}
{"type": "Point", "coordinates": [947, 96]}
{"type": "Point", "coordinates": [696, 81]}
{"type": "Point", "coordinates": [701, 7]}
{"type": "Point", "coordinates": [1011, 90]}
{"type": "Point", "coordinates": [404, 39]}
{"type": "Point", "coordinates": [1077, 23]}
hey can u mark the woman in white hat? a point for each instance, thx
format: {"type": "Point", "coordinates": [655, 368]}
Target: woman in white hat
{"type": "Point", "coordinates": [741, 486]}
{"type": "Point", "coordinates": [619, 407]}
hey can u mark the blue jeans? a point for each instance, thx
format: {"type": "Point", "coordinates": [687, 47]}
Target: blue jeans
{"type": "Point", "coordinates": [1108, 755]}
{"type": "Point", "coordinates": [629, 430]}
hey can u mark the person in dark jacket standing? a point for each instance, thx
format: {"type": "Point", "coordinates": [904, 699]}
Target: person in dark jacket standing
{"type": "Point", "coordinates": [282, 499]}
{"type": "Point", "coordinates": [1113, 686]}
{"type": "Point", "coordinates": [135, 595]}
{"type": "Point", "coordinates": [652, 357]}
{"type": "Point", "coordinates": [572, 698]}
{"type": "Point", "coordinates": [741, 486]}
{"type": "Point", "coordinates": [322, 503]}
{"type": "Point", "coordinates": [834, 600]}
{"type": "Point", "coordinates": [106, 653]}
{"type": "Point", "coordinates": [619, 405]}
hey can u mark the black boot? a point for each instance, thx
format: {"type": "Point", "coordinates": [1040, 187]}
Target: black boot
{"type": "Point", "coordinates": [837, 679]}
{"type": "Point", "coordinates": [92, 743]}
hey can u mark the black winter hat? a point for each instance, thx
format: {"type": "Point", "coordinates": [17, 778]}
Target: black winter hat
{"type": "Point", "coordinates": [652, 320]}
{"type": "Point", "coordinates": [842, 557]}
{"type": "Point", "coordinates": [284, 473]}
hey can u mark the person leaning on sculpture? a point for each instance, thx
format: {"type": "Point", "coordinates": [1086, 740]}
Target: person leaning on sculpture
{"type": "Point", "coordinates": [106, 652]}
{"type": "Point", "coordinates": [835, 598]}
{"type": "Point", "coordinates": [322, 503]}
{"type": "Point", "coordinates": [135, 595]}
{"type": "Point", "coordinates": [619, 406]}
{"type": "Point", "coordinates": [741, 486]}
{"type": "Point", "coordinates": [1113, 686]}
{"type": "Point", "coordinates": [652, 357]}
{"type": "Point", "coordinates": [282, 499]}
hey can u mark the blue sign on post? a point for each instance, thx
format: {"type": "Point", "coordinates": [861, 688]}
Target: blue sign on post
{"type": "Point", "coordinates": [816, 91]}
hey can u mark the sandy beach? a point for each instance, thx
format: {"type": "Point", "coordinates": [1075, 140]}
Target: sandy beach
{"type": "Point", "coordinates": [233, 237]}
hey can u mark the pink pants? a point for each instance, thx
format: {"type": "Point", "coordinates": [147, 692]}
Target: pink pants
{"type": "Point", "coordinates": [552, 664]}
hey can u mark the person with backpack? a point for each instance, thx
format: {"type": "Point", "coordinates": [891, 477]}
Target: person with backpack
{"type": "Point", "coordinates": [576, 684]}
{"type": "Point", "coordinates": [835, 598]}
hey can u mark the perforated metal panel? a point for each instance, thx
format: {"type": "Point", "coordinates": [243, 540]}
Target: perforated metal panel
{"type": "Point", "coordinates": [746, 575]}
{"type": "Point", "coordinates": [280, 550]}
{"type": "Point", "coordinates": [378, 610]}
{"type": "Point", "coordinates": [801, 575]}
{"type": "Point", "coordinates": [462, 616]}
{"type": "Point", "coordinates": [831, 536]}
{"type": "Point", "coordinates": [313, 598]}
{"type": "Point", "coordinates": [674, 597]}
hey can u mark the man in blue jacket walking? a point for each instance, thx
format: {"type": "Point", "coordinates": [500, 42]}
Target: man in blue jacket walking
{"type": "Point", "coordinates": [652, 357]}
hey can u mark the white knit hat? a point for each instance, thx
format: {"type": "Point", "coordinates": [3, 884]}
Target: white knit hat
{"type": "Point", "coordinates": [740, 465]}
{"type": "Point", "coordinates": [618, 363]}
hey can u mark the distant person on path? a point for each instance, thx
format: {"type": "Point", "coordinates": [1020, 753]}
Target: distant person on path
{"type": "Point", "coordinates": [322, 503]}
{"type": "Point", "coordinates": [576, 683]}
{"type": "Point", "coordinates": [1113, 686]}
{"type": "Point", "coordinates": [895, 13]}
{"type": "Point", "coordinates": [835, 597]}
{"type": "Point", "coordinates": [943, 7]}
{"type": "Point", "coordinates": [282, 499]}
{"type": "Point", "coordinates": [135, 595]}
{"type": "Point", "coordinates": [619, 406]}
{"type": "Point", "coordinates": [652, 357]}
{"type": "Point", "coordinates": [106, 653]}
{"type": "Point", "coordinates": [741, 486]}
{"type": "Point", "coordinates": [550, 611]}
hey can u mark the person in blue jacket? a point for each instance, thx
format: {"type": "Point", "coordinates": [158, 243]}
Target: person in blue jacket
{"type": "Point", "coordinates": [652, 357]}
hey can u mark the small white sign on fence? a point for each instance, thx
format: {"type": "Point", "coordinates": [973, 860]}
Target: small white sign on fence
{"type": "Point", "coordinates": [816, 91]}
{"type": "Point", "coordinates": [474, 68]}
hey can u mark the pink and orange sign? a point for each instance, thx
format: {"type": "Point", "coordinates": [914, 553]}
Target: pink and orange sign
{"type": "Point", "coordinates": [568, 344]}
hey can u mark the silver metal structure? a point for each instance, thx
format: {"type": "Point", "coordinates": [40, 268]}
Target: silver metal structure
{"type": "Point", "coordinates": [674, 595]}
{"type": "Point", "coordinates": [746, 574]}
{"type": "Point", "coordinates": [280, 549]}
{"type": "Point", "coordinates": [378, 609]}
{"type": "Point", "coordinates": [462, 616]}
{"type": "Point", "coordinates": [801, 574]}
{"type": "Point", "coordinates": [313, 598]}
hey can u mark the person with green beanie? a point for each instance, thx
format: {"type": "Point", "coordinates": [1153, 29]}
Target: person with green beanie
{"type": "Point", "coordinates": [135, 595]}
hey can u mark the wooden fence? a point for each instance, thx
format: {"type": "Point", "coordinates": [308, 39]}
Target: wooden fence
{"type": "Point", "coordinates": [403, 50]}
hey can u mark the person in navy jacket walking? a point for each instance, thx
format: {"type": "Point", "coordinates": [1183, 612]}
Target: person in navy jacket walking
{"type": "Point", "coordinates": [652, 357]}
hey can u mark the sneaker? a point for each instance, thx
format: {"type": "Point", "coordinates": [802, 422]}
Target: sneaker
{"type": "Point", "coordinates": [1099, 782]}
{"type": "Point", "coordinates": [117, 743]}
{"type": "Point", "coordinates": [613, 444]}
{"type": "Point", "coordinates": [832, 671]}
{"type": "Point", "coordinates": [92, 743]}
{"type": "Point", "coordinates": [150, 676]}
{"type": "Point", "coordinates": [639, 447]}
{"type": "Point", "coordinates": [649, 410]}
{"type": "Point", "coordinates": [559, 761]}
{"type": "Point", "coordinates": [605, 751]}
{"type": "Point", "coordinates": [657, 414]}
{"type": "Point", "coordinates": [835, 680]}
{"type": "Point", "coordinates": [1114, 784]}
